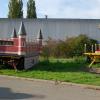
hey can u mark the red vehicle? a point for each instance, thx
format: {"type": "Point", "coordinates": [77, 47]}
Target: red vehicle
{"type": "Point", "coordinates": [18, 51]}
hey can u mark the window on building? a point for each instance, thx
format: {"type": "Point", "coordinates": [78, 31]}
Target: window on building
{"type": "Point", "coordinates": [4, 43]}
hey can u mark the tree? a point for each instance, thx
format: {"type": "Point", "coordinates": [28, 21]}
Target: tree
{"type": "Point", "coordinates": [20, 13]}
{"type": "Point", "coordinates": [31, 9]}
{"type": "Point", "coordinates": [15, 9]}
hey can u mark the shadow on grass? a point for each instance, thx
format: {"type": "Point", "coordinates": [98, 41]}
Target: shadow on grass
{"type": "Point", "coordinates": [5, 66]}
{"type": "Point", "coordinates": [61, 66]}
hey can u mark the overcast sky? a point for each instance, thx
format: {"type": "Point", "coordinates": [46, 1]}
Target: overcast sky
{"type": "Point", "coordinates": [60, 8]}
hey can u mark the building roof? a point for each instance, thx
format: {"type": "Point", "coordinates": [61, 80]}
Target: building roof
{"type": "Point", "coordinates": [22, 30]}
{"type": "Point", "coordinates": [14, 35]}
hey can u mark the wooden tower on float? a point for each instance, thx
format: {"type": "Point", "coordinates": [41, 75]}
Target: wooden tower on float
{"type": "Point", "coordinates": [40, 40]}
{"type": "Point", "coordinates": [22, 40]}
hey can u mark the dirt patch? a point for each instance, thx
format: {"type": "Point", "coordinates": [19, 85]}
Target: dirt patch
{"type": "Point", "coordinates": [94, 70]}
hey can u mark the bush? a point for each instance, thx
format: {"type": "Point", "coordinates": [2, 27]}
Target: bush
{"type": "Point", "coordinates": [70, 47]}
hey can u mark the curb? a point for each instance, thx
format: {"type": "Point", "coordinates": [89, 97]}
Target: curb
{"type": "Point", "coordinates": [55, 82]}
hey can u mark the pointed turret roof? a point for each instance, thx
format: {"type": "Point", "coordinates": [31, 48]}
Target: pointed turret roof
{"type": "Point", "coordinates": [14, 35]}
{"type": "Point", "coordinates": [40, 35]}
{"type": "Point", "coordinates": [22, 30]}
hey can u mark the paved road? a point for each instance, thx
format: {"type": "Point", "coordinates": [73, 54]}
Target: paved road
{"type": "Point", "coordinates": [18, 89]}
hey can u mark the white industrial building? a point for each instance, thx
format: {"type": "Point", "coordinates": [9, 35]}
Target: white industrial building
{"type": "Point", "coordinates": [54, 28]}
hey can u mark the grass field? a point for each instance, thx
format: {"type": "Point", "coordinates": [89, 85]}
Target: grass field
{"type": "Point", "coordinates": [68, 70]}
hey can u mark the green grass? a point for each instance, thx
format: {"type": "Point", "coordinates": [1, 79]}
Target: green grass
{"type": "Point", "coordinates": [96, 65]}
{"type": "Point", "coordinates": [68, 70]}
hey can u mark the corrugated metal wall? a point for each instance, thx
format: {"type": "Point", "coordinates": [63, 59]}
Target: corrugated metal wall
{"type": "Point", "coordinates": [55, 28]}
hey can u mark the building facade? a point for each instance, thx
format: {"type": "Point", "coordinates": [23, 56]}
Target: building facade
{"type": "Point", "coordinates": [54, 28]}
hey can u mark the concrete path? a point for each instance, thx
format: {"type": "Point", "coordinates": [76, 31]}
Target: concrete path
{"type": "Point", "coordinates": [19, 89]}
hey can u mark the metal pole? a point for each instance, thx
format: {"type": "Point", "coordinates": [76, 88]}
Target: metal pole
{"type": "Point", "coordinates": [99, 46]}
{"type": "Point", "coordinates": [84, 48]}
{"type": "Point", "coordinates": [92, 49]}
{"type": "Point", "coordinates": [95, 47]}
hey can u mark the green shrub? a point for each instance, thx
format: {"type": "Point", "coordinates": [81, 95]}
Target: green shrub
{"type": "Point", "coordinates": [73, 46]}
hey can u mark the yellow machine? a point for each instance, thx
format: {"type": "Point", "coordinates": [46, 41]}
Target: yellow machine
{"type": "Point", "coordinates": [93, 56]}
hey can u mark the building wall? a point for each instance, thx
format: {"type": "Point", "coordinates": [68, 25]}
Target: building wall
{"type": "Point", "coordinates": [55, 28]}
{"type": "Point", "coordinates": [30, 61]}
